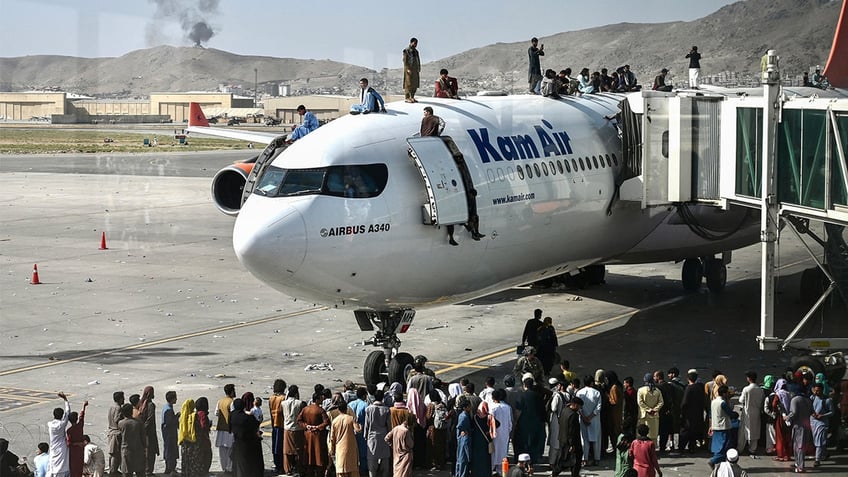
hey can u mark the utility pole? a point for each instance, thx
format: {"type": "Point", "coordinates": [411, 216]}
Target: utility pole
{"type": "Point", "coordinates": [255, 85]}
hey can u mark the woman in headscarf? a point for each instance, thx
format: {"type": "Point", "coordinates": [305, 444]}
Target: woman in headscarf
{"type": "Point", "coordinates": [454, 391]}
{"type": "Point", "coordinates": [783, 434]}
{"type": "Point", "coordinates": [436, 437]}
{"type": "Point", "coordinates": [768, 412]}
{"type": "Point", "coordinates": [247, 444]}
{"type": "Point", "coordinates": [187, 439]}
{"type": "Point", "coordinates": [720, 380]}
{"type": "Point", "coordinates": [416, 407]}
{"type": "Point", "coordinates": [825, 387]}
{"type": "Point", "coordinates": [483, 433]}
{"type": "Point", "coordinates": [147, 415]}
{"type": "Point", "coordinates": [615, 395]}
{"type": "Point", "coordinates": [247, 399]}
{"type": "Point", "coordinates": [202, 427]}
{"type": "Point", "coordinates": [389, 396]}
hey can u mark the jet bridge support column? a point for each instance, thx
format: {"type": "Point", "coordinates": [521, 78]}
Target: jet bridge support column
{"type": "Point", "coordinates": [770, 211]}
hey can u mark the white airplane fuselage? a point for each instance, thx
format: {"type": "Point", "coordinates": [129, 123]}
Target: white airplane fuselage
{"type": "Point", "coordinates": [550, 218]}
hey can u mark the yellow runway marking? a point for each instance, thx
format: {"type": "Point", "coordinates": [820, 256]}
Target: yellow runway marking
{"type": "Point", "coordinates": [798, 262]}
{"type": "Point", "coordinates": [163, 341]}
{"type": "Point", "coordinates": [442, 363]}
{"type": "Point", "coordinates": [472, 363]}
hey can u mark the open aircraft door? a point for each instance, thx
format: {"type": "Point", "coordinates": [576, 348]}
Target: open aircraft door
{"type": "Point", "coordinates": [442, 167]}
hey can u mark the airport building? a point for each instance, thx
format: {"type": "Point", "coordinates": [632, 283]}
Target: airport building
{"type": "Point", "coordinates": [63, 108]}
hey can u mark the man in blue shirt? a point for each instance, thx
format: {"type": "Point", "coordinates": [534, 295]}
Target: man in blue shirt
{"type": "Point", "coordinates": [369, 100]}
{"type": "Point", "coordinates": [310, 123]}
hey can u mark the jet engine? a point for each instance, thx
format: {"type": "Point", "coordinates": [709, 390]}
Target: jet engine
{"type": "Point", "coordinates": [228, 186]}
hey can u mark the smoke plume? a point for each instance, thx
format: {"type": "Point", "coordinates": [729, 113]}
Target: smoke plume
{"type": "Point", "coordinates": [192, 16]}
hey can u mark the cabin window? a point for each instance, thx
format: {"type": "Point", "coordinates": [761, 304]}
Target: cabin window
{"type": "Point", "coordinates": [574, 165]}
{"type": "Point", "coordinates": [614, 159]}
{"type": "Point", "coordinates": [520, 172]}
{"type": "Point", "coordinates": [582, 166]}
{"type": "Point", "coordinates": [595, 161]}
{"type": "Point", "coordinates": [588, 163]}
{"type": "Point", "coordinates": [552, 167]}
{"type": "Point", "coordinates": [544, 169]}
{"type": "Point", "coordinates": [609, 161]}
{"type": "Point", "coordinates": [501, 176]}
{"type": "Point", "coordinates": [529, 171]}
{"type": "Point", "coordinates": [559, 165]}
{"type": "Point", "coordinates": [491, 175]}
{"type": "Point", "coordinates": [567, 167]}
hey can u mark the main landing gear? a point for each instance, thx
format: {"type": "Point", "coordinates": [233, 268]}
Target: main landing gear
{"type": "Point", "coordinates": [387, 365]}
{"type": "Point", "coordinates": [711, 268]}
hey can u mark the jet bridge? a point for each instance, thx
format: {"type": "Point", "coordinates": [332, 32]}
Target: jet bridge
{"type": "Point", "coordinates": [779, 150]}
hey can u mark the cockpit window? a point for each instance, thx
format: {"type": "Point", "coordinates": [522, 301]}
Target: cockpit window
{"type": "Point", "coordinates": [359, 181]}
{"type": "Point", "coordinates": [356, 181]}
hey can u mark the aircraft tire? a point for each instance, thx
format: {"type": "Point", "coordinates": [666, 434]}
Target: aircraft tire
{"type": "Point", "coordinates": [803, 363]}
{"type": "Point", "coordinates": [693, 272]}
{"type": "Point", "coordinates": [374, 371]}
{"type": "Point", "coordinates": [716, 274]}
{"type": "Point", "coordinates": [595, 274]}
{"type": "Point", "coordinates": [399, 368]}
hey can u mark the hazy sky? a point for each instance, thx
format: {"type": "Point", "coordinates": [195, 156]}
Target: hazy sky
{"type": "Point", "coordinates": [367, 33]}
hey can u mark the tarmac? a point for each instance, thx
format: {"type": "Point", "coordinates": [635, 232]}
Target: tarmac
{"type": "Point", "coordinates": [167, 304]}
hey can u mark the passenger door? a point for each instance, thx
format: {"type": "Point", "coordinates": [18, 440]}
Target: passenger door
{"type": "Point", "coordinates": [446, 193]}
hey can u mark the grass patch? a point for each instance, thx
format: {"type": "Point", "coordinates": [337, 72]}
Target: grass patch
{"type": "Point", "coordinates": [59, 141]}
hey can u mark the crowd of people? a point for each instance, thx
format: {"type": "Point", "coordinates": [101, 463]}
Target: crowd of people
{"type": "Point", "coordinates": [535, 416]}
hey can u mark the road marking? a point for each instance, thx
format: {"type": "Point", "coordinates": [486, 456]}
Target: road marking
{"type": "Point", "coordinates": [442, 363]}
{"type": "Point", "coordinates": [472, 363]}
{"type": "Point", "coordinates": [148, 344]}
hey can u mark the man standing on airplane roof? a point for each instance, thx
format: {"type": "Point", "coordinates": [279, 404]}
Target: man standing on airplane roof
{"type": "Point", "coordinates": [694, 67]}
{"type": "Point", "coordinates": [411, 69]}
{"type": "Point", "coordinates": [534, 75]}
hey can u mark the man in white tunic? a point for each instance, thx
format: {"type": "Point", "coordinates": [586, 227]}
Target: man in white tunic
{"type": "Point", "coordinates": [590, 420]}
{"type": "Point", "coordinates": [503, 414]}
{"type": "Point", "coordinates": [59, 441]}
{"type": "Point", "coordinates": [751, 402]}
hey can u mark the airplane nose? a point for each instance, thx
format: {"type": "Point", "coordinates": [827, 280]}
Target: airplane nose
{"type": "Point", "coordinates": [270, 239]}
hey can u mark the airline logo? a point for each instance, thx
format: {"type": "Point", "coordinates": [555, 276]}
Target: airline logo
{"type": "Point", "coordinates": [544, 142]}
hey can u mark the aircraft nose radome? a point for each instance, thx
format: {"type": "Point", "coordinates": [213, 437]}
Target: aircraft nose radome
{"type": "Point", "coordinates": [269, 240]}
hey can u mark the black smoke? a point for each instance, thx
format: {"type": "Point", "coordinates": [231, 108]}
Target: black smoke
{"type": "Point", "coordinates": [192, 15]}
{"type": "Point", "coordinates": [200, 33]}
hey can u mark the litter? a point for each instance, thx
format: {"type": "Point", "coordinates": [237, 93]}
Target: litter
{"type": "Point", "coordinates": [287, 354]}
{"type": "Point", "coordinates": [319, 367]}
{"type": "Point", "coordinates": [435, 327]}
{"type": "Point", "coordinates": [91, 383]}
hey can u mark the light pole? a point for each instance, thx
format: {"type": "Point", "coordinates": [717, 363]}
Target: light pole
{"type": "Point", "coordinates": [255, 85]}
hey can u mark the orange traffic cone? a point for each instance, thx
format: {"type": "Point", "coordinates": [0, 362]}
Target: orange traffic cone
{"type": "Point", "coordinates": [34, 280]}
{"type": "Point", "coordinates": [103, 242]}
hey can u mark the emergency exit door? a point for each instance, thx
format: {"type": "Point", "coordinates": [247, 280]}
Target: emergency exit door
{"type": "Point", "coordinates": [446, 193]}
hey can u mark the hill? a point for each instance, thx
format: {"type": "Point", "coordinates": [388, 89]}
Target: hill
{"type": "Point", "coordinates": [731, 40]}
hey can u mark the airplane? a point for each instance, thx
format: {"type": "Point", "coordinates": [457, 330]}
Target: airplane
{"type": "Point", "coordinates": [356, 215]}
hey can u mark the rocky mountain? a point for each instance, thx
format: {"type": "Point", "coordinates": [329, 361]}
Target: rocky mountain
{"type": "Point", "coordinates": [731, 40]}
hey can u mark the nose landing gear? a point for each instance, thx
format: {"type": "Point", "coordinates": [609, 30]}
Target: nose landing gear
{"type": "Point", "coordinates": [387, 365]}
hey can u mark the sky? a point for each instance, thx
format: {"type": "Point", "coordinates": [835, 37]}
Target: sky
{"type": "Point", "coordinates": [366, 33]}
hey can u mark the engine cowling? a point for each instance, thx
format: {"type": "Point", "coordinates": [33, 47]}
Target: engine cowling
{"type": "Point", "coordinates": [228, 187]}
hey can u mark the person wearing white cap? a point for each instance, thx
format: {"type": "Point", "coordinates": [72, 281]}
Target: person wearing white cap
{"type": "Point", "coordinates": [730, 467]}
{"type": "Point", "coordinates": [523, 469]}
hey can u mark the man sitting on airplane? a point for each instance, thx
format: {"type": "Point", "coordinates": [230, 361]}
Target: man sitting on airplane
{"type": "Point", "coordinates": [659, 82]}
{"type": "Point", "coordinates": [310, 123]}
{"type": "Point", "coordinates": [446, 86]}
{"type": "Point", "coordinates": [369, 98]}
